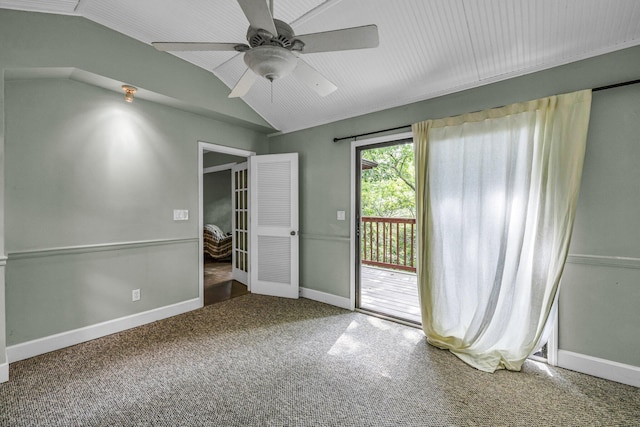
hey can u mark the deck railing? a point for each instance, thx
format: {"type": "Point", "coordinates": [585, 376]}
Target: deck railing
{"type": "Point", "coordinates": [388, 242]}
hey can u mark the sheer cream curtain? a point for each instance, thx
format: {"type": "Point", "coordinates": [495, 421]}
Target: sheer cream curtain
{"type": "Point", "coordinates": [496, 196]}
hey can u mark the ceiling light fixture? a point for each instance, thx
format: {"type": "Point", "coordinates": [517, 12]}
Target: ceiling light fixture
{"type": "Point", "coordinates": [271, 62]}
{"type": "Point", "coordinates": [272, 50]}
{"type": "Point", "coordinates": [128, 92]}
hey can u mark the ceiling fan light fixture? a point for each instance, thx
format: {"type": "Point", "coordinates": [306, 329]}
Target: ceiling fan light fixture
{"type": "Point", "coordinates": [271, 62]}
{"type": "Point", "coordinates": [273, 50]}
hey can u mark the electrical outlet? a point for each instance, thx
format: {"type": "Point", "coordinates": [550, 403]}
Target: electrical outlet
{"type": "Point", "coordinates": [135, 295]}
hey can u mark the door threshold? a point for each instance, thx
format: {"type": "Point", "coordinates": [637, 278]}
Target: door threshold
{"type": "Point", "coordinates": [389, 318]}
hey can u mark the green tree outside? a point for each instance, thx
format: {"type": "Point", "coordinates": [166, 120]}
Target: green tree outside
{"type": "Point", "coordinates": [388, 190]}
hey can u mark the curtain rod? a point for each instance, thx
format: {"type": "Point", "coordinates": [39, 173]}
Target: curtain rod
{"type": "Point", "coordinates": [630, 82]}
{"type": "Point", "coordinates": [597, 89]}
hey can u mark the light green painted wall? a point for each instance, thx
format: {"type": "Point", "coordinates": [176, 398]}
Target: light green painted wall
{"type": "Point", "coordinates": [216, 200]}
{"type": "Point", "coordinates": [217, 203]}
{"type": "Point", "coordinates": [96, 193]}
{"type": "Point", "coordinates": [600, 305]}
{"type": "Point", "coordinates": [60, 292]}
{"type": "Point", "coordinates": [215, 159]}
{"type": "Point", "coordinates": [3, 341]}
{"type": "Point", "coordinates": [610, 189]}
{"type": "Point", "coordinates": [85, 168]}
{"type": "Point", "coordinates": [36, 40]}
{"type": "Point", "coordinates": [325, 188]}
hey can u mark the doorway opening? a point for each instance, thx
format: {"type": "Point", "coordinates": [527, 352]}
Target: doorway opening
{"type": "Point", "coordinates": [385, 252]}
{"type": "Point", "coordinates": [264, 244]}
{"type": "Point", "coordinates": [223, 222]}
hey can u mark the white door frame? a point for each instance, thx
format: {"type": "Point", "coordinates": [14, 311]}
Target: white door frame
{"type": "Point", "coordinates": [352, 226]}
{"type": "Point", "coordinates": [202, 147]}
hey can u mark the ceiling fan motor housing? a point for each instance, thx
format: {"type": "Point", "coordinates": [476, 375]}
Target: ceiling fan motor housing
{"type": "Point", "coordinates": [259, 37]}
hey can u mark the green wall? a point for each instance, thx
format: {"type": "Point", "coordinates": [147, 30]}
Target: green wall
{"type": "Point", "coordinates": [216, 199]}
{"type": "Point", "coordinates": [36, 40]}
{"type": "Point", "coordinates": [600, 299]}
{"type": "Point", "coordinates": [84, 168]}
{"type": "Point", "coordinates": [325, 188]}
{"type": "Point", "coordinates": [86, 176]}
{"type": "Point", "coordinates": [58, 291]}
{"type": "Point", "coordinates": [216, 191]}
{"type": "Point", "coordinates": [216, 159]}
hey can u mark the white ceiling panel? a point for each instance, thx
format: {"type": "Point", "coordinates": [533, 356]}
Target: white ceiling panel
{"type": "Point", "coordinates": [509, 36]}
{"type": "Point", "coordinates": [292, 10]}
{"type": "Point", "coordinates": [165, 20]}
{"type": "Point", "coordinates": [427, 47]}
{"type": "Point", "coordinates": [64, 7]}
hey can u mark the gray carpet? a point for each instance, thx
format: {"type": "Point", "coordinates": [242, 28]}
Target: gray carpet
{"type": "Point", "coordinates": [262, 361]}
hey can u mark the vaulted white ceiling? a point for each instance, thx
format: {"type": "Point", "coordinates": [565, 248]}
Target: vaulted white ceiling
{"type": "Point", "coordinates": [427, 47]}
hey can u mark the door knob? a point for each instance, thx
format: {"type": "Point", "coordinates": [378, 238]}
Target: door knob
{"type": "Point", "coordinates": [293, 233]}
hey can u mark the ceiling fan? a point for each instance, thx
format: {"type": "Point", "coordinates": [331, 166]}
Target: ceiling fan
{"type": "Point", "coordinates": [273, 50]}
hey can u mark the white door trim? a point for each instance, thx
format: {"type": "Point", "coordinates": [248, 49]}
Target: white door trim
{"type": "Point", "coordinates": [352, 225]}
{"type": "Point", "coordinates": [219, 168]}
{"type": "Point", "coordinates": [209, 146]}
{"type": "Point", "coordinates": [202, 147]}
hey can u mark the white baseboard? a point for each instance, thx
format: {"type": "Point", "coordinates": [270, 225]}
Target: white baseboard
{"type": "Point", "coordinates": [65, 339]}
{"type": "Point", "coordinates": [4, 372]}
{"type": "Point", "coordinates": [602, 368]}
{"type": "Point", "coordinates": [326, 298]}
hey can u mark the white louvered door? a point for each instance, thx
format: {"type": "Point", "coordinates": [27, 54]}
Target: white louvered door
{"type": "Point", "coordinates": [274, 225]}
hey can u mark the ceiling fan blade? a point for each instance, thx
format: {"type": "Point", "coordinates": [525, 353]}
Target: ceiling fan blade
{"type": "Point", "coordinates": [244, 84]}
{"type": "Point", "coordinates": [312, 78]}
{"type": "Point", "coordinates": [345, 39]}
{"type": "Point", "coordinates": [174, 46]}
{"type": "Point", "coordinates": [258, 14]}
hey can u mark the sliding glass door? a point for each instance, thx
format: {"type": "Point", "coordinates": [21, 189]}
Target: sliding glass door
{"type": "Point", "coordinates": [385, 229]}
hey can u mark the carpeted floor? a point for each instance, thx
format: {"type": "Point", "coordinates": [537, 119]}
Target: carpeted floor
{"type": "Point", "coordinates": [263, 361]}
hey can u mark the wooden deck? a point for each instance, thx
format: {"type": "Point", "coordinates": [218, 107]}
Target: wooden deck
{"type": "Point", "coordinates": [390, 292]}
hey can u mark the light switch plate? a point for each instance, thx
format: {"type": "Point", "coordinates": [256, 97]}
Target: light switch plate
{"type": "Point", "coordinates": [180, 214]}
{"type": "Point", "coordinates": [341, 216]}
